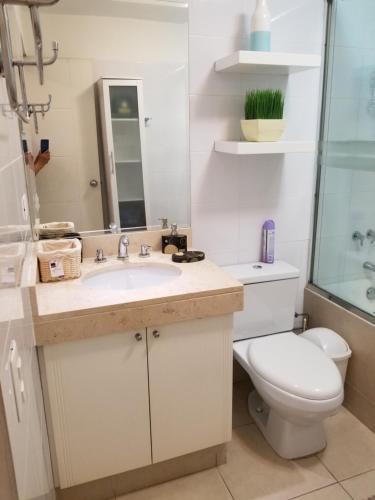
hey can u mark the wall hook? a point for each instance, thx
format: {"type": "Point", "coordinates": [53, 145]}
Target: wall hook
{"type": "Point", "coordinates": [39, 108]}
{"type": "Point", "coordinates": [7, 63]}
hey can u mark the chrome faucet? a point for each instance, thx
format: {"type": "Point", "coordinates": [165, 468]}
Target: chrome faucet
{"type": "Point", "coordinates": [123, 244]}
{"type": "Point", "coordinates": [358, 236]}
{"type": "Point", "coordinates": [369, 266]}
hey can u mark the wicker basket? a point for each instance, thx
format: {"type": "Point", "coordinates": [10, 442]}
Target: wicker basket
{"type": "Point", "coordinates": [56, 229]}
{"type": "Point", "coordinates": [59, 259]}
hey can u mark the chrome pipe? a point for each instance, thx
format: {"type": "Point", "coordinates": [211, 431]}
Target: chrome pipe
{"type": "Point", "coordinates": [37, 31]}
{"type": "Point", "coordinates": [29, 3]}
{"type": "Point", "coordinates": [7, 66]}
{"type": "Point", "coordinates": [46, 62]}
{"type": "Point", "coordinates": [21, 75]}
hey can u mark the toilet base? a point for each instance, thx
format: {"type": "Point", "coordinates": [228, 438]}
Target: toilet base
{"type": "Point", "coordinates": [289, 440]}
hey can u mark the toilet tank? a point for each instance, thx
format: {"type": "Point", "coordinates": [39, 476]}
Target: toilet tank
{"type": "Point", "coordinates": [270, 292]}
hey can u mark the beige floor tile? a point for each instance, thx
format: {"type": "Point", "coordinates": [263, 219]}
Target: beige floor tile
{"type": "Point", "coordinates": [241, 414]}
{"type": "Point", "coordinates": [334, 492]}
{"type": "Point", "coordinates": [361, 487]}
{"type": "Point", "coordinates": [254, 471]}
{"type": "Point", "coordinates": [350, 446]}
{"type": "Point", "coordinates": [206, 485]}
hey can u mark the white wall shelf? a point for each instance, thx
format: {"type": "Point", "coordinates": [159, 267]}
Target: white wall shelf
{"type": "Point", "coordinates": [246, 61]}
{"type": "Point", "coordinates": [129, 120]}
{"type": "Point", "coordinates": [263, 148]}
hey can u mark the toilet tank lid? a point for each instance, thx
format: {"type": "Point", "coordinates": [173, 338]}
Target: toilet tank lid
{"type": "Point", "coordinates": [259, 272]}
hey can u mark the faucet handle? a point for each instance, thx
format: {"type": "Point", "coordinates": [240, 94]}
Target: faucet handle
{"type": "Point", "coordinates": [164, 222]}
{"type": "Point", "coordinates": [370, 235]}
{"type": "Point", "coordinates": [113, 227]}
{"type": "Point", "coordinates": [145, 250]}
{"type": "Point", "coordinates": [358, 236]}
{"type": "Point", "coordinates": [100, 256]}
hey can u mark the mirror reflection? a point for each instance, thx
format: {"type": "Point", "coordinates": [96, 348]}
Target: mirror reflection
{"type": "Point", "coordinates": [111, 148]}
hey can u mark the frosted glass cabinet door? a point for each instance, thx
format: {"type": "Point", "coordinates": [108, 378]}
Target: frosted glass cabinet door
{"type": "Point", "coordinates": [190, 374]}
{"type": "Point", "coordinates": [99, 408]}
{"type": "Point", "coordinates": [123, 126]}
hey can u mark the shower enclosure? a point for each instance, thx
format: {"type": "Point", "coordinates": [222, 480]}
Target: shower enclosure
{"type": "Point", "coordinates": [344, 243]}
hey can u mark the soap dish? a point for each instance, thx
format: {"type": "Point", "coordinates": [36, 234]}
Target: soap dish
{"type": "Point", "coordinates": [188, 257]}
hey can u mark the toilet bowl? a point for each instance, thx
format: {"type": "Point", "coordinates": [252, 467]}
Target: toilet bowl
{"type": "Point", "coordinates": [296, 388]}
{"type": "Point", "coordinates": [296, 384]}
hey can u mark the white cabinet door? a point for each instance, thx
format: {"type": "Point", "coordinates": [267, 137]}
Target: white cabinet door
{"type": "Point", "coordinates": [190, 374]}
{"type": "Point", "coordinates": [99, 407]}
{"type": "Point", "coordinates": [123, 131]}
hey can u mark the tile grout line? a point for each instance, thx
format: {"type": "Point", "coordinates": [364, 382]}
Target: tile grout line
{"type": "Point", "coordinates": [225, 484]}
{"type": "Point", "coordinates": [347, 492]}
{"type": "Point", "coordinates": [325, 466]}
{"type": "Point", "coordinates": [340, 481]}
{"type": "Point", "coordinates": [314, 490]}
{"type": "Point", "coordinates": [356, 475]}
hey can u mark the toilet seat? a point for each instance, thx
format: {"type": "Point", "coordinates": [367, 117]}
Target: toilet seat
{"type": "Point", "coordinates": [291, 364]}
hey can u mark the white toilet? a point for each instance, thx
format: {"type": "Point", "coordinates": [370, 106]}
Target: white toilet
{"type": "Point", "coordinates": [297, 384]}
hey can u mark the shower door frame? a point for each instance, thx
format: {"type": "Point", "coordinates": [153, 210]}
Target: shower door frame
{"type": "Point", "coordinates": [328, 49]}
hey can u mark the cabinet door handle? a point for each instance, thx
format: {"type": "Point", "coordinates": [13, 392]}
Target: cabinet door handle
{"type": "Point", "coordinates": [112, 163]}
{"type": "Point", "coordinates": [156, 334]}
{"type": "Point", "coordinates": [138, 337]}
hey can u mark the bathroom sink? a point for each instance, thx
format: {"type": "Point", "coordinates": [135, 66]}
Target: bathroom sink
{"type": "Point", "coordinates": [131, 276]}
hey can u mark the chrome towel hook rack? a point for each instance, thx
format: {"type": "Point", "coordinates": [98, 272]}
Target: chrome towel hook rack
{"type": "Point", "coordinates": [39, 108]}
{"type": "Point", "coordinates": [7, 63]}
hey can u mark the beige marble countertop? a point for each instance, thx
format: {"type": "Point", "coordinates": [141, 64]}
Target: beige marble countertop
{"type": "Point", "coordinates": [69, 298]}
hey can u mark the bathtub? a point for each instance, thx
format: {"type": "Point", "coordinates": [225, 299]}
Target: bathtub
{"type": "Point", "coordinates": [354, 292]}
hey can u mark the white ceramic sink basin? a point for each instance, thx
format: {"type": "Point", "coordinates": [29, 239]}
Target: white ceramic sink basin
{"type": "Point", "coordinates": [131, 276]}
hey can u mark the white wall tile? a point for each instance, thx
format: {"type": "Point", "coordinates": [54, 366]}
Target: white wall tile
{"type": "Point", "coordinates": [336, 180]}
{"type": "Point", "coordinates": [219, 17]}
{"type": "Point", "coordinates": [297, 26]}
{"type": "Point", "coordinates": [335, 214]}
{"type": "Point", "coordinates": [348, 14]}
{"type": "Point", "coordinates": [343, 120]}
{"type": "Point", "coordinates": [216, 229]}
{"type": "Point", "coordinates": [213, 180]}
{"type": "Point", "coordinates": [213, 118]}
{"type": "Point", "coordinates": [347, 73]}
{"type": "Point", "coordinates": [204, 80]}
{"type": "Point", "coordinates": [233, 196]}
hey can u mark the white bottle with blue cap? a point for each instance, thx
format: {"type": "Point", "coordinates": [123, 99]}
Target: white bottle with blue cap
{"type": "Point", "coordinates": [260, 39]}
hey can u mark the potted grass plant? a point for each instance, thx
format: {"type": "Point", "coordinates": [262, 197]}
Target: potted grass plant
{"type": "Point", "coordinates": [264, 110]}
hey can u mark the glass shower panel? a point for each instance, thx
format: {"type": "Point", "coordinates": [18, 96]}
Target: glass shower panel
{"type": "Point", "coordinates": [344, 260]}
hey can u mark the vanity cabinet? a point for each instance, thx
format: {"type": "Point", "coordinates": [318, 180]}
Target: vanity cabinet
{"type": "Point", "coordinates": [127, 400]}
{"type": "Point", "coordinates": [190, 376]}
{"type": "Point", "coordinates": [97, 392]}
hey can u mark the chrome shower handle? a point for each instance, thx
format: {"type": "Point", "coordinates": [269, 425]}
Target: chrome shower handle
{"type": "Point", "coordinates": [370, 266]}
{"type": "Point", "coordinates": [37, 31]}
{"type": "Point", "coordinates": [358, 236]}
{"type": "Point", "coordinates": [370, 235]}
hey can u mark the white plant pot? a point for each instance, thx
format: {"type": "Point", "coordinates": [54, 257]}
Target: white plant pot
{"type": "Point", "coordinates": [262, 130]}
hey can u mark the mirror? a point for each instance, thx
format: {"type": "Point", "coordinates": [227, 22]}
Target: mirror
{"type": "Point", "coordinates": [112, 146]}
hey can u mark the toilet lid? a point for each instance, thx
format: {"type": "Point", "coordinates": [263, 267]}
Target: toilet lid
{"type": "Point", "coordinates": [295, 365]}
